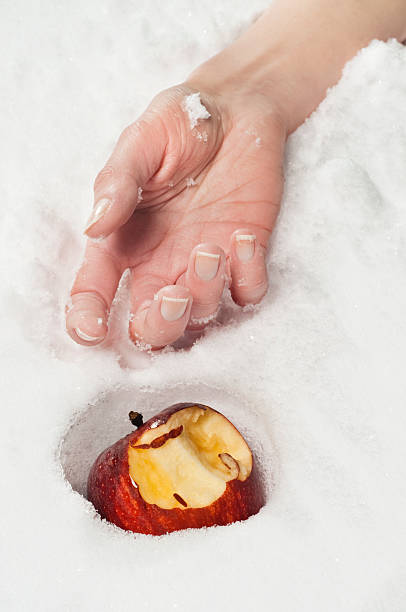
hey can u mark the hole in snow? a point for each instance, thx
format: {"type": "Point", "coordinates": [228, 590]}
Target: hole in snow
{"type": "Point", "coordinates": [106, 420]}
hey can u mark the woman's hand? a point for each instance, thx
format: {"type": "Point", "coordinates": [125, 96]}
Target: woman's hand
{"type": "Point", "coordinates": [184, 208]}
{"type": "Point", "coordinates": [187, 206]}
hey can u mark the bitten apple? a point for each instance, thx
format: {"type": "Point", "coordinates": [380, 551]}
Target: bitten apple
{"type": "Point", "coordinates": [186, 467]}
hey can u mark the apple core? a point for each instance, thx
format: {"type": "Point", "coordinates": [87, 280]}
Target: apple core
{"type": "Point", "coordinates": [187, 461]}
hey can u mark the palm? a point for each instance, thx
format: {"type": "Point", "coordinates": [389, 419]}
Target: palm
{"type": "Point", "coordinates": [239, 187]}
{"type": "Point", "coordinates": [201, 185]}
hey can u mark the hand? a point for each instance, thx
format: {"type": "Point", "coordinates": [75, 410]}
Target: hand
{"type": "Point", "coordinates": [211, 194]}
{"type": "Point", "coordinates": [184, 209]}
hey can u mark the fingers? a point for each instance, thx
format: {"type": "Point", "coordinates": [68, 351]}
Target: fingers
{"type": "Point", "coordinates": [205, 277]}
{"type": "Point", "coordinates": [92, 294]}
{"type": "Point", "coordinates": [249, 281]}
{"type": "Point", "coordinates": [160, 312]}
{"type": "Point", "coordinates": [118, 187]}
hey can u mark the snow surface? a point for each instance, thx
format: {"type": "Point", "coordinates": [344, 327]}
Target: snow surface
{"type": "Point", "coordinates": [314, 377]}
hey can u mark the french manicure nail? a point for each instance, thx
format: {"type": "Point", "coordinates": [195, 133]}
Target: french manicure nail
{"type": "Point", "coordinates": [245, 246]}
{"type": "Point", "coordinates": [86, 337]}
{"type": "Point", "coordinates": [206, 265]}
{"type": "Point", "coordinates": [172, 308]}
{"type": "Point", "coordinates": [99, 211]}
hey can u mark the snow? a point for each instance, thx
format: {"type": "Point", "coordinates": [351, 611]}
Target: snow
{"type": "Point", "coordinates": [314, 377]}
{"type": "Point", "coordinates": [192, 105]}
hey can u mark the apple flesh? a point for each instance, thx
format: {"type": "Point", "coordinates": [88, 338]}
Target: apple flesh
{"type": "Point", "coordinates": [186, 467]}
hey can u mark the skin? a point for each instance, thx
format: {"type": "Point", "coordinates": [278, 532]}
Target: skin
{"type": "Point", "coordinates": [116, 499]}
{"type": "Point", "coordinates": [257, 91]}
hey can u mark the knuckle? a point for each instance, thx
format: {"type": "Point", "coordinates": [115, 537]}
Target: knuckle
{"type": "Point", "coordinates": [202, 318]}
{"type": "Point", "coordinates": [112, 183]}
{"type": "Point", "coordinates": [132, 131]}
{"type": "Point", "coordinates": [249, 294]}
{"type": "Point", "coordinates": [106, 174]}
{"type": "Point", "coordinates": [133, 334]}
{"type": "Point", "coordinates": [168, 97]}
{"type": "Point", "coordinates": [143, 335]}
{"type": "Point", "coordinates": [137, 334]}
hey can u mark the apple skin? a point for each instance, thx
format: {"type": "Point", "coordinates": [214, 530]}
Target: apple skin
{"type": "Point", "coordinates": [116, 499]}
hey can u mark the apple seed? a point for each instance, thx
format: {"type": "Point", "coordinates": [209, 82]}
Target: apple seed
{"type": "Point", "coordinates": [180, 499]}
{"type": "Point", "coordinates": [160, 441]}
{"type": "Point", "coordinates": [231, 464]}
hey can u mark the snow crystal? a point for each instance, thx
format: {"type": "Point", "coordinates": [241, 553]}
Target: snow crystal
{"type": "Point", "coordinates": [202, 136]}
{"type": "Point", "coordinates": [204, 320]}
{"type": "Point", "coordinates": [314, 376]}
{"type": "Point", "coordinates": [192, 105]}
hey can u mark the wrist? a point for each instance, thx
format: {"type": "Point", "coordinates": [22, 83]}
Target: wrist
{"type": "Point", "coordinates": [296, 50]}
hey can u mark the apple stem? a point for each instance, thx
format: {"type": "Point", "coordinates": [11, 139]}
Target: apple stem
{"type": "Point", "coordinates": [136, 418]}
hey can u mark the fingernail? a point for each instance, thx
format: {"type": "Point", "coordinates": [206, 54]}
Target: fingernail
{"type": "Point", "coordinates": [245, 246]}
{"type": "Point", "coordinates": [86, 337]}
{"type": "Point", "coordinates": [173, 309]}
{"type": "Point", "coordinates": [99, 211]}
{"type": "Point", "coordinates": [206, 265]}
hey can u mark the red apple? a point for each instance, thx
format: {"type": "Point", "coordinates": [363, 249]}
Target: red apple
{"type": "Point", "coordinates": [186, 467]}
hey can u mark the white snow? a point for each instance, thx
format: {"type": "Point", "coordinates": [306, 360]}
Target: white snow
{"type": "Point", "coordinates": [192, 105]}
{"type": "Point", "coordinates": [314, 377]}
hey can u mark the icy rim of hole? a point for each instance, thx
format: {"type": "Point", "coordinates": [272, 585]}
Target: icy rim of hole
{"type": "Point", "coordinates": [105, 420]}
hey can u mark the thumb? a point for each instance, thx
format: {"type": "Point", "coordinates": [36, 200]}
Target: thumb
{"type": "Point", "coordinates": [118, 187]}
